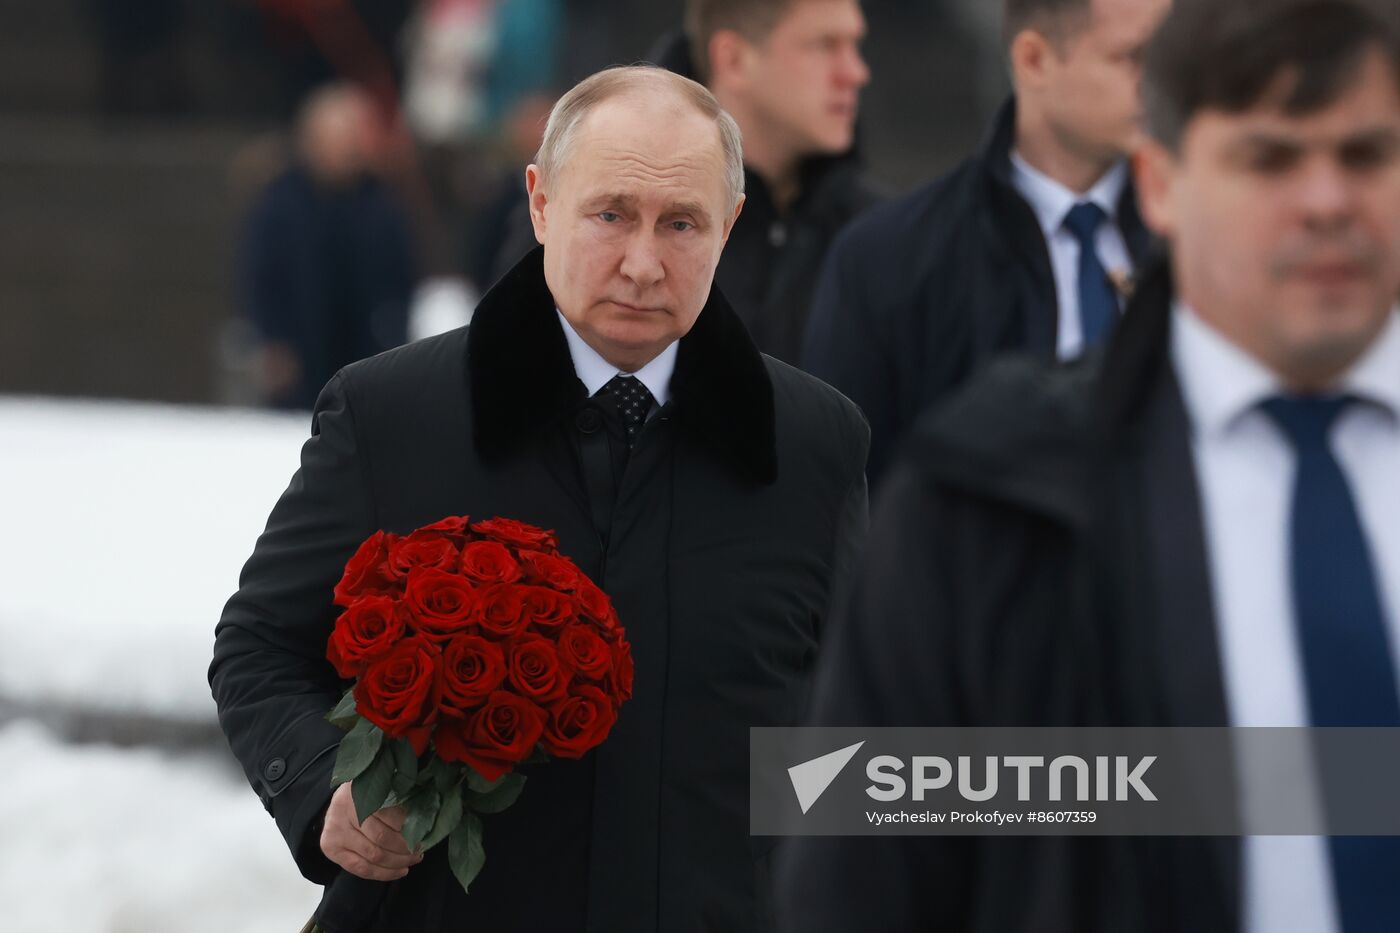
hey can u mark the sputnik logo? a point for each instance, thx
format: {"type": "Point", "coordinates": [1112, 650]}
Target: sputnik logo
{"type": "Point", "coordinates": [811, 778]}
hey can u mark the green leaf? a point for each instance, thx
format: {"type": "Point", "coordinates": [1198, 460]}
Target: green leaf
{"type": "Point", "coordinates": [405, 766]}
{"type": "Point", "coordinates": [465, 853]}
{"type": "Point", "coordinates": [344, 714]}
{"type": "Point", "coordinates": [448, 818]}
{"type": "Point", "coordinates": [444, 776]}
{"type": "Point", "coordinates": [422, 814]}
{"type": "Point", "coordinates": [537, 757]}
{"type": "Point", "coordinates": [480, 785]}
{"type": "Point", "coordinates": [370, 789]}
{"type": "Point", "coordinates": [357, 752]}
{"type": "Point", "coordinates": [505, 793]}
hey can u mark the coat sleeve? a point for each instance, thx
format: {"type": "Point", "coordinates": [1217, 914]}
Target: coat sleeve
{"type": "Point", "coordinates": [846, 343]}
{"type": "Point", "coordinates": [886, 662]}
{"type": "Point", "coordinates": [270, 678]}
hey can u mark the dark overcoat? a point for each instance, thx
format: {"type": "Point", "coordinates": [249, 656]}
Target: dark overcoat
{"type": "Point", "coordinates": [718, 543]}
{"type": "Point", "coordinates": [1037, 558]}
{"type": "Point", "coordinates": [922, 292]}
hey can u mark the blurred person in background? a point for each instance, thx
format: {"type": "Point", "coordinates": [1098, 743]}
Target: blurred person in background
{"type": "Point", "coordinates": [790, 72]}
{"type": "Point", "coordinates": [328, 267]}
{"type": "Point", "coordinates": [1197, 528]}
{"type": "Point", "coordinates": [1028, 245]}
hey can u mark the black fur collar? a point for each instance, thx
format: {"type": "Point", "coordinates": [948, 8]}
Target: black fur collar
{"type": "Point", "coordinates": [522, 377]}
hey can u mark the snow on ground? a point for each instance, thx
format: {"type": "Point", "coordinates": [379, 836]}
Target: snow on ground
{"type": "Point", "coordinates": [126, 526]}
{"type": "Point", "coordinates": [100, 840]}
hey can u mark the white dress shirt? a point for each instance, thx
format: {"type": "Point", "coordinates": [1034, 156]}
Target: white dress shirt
{"type": "Point", "coordinates": [1245, 466]}
{"type": "Point", "coordinates": [595, 372]}
{"type": "Point", "coordinates": [1052, 203]}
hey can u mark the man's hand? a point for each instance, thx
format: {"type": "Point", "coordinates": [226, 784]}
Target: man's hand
{"type": "Point", "coordinates": [376, 850]}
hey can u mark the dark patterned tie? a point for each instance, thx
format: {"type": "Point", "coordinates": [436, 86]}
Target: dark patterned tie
{"type": "Point", "coordinates": [633, 402]}
{"type": "Point", "coordinates": [1345, 643]}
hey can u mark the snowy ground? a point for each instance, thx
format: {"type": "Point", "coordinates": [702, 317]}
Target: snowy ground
{"type": "Point", "coordinates": [125, 528]}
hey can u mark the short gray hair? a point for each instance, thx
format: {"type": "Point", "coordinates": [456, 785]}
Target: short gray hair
{"type": "Point", "coordinates": [569, 113]}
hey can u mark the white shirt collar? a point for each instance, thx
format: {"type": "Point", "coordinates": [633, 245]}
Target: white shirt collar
{"type": "Point", "coordinates": [1052, 201]}
{"type": "Point", "coordinates": [595, 372]}
{"type": "Point", "coordinates": [1221, 382]}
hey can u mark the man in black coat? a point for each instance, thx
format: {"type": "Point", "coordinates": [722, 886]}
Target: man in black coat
{"type": "Point", "coordinates": [715, 507]}
{"type": "Point", "coordinates": [921, 292]}
{"type": "Point", "coordinates": [1197, 529]}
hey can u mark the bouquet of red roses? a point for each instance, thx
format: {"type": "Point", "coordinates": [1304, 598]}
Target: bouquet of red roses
{"type": "Point", "coordinates": [474, 647]}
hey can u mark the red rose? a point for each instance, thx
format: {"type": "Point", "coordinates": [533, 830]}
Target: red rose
{"type": "Point", "coordinates": [440, 604]}
{"type": "Point", "coordinates": [398, 693]}
{"type": "Point", "coordinates": [453, 528]}
{"type": "Point", "coordinates": [495, 738]}
{"type": "Point", "coordinates": [365, 632]}
{"type": "Point", "coordinates": [500, 610]}
{"type": "Point", "coordinates": [595, 603]}
{"type": "Point", "coordinates": [548, 570]}
{"type": "Point", "coordinates": [366, 572]}
{"type": "Point", "coordinates": [489, 562]}
{"type": "Point", "coordinates": [548, 610]}
{"type": "Point", "coordinates": [510, 531]}
{"type": "Point", "coordinates": [470, 669]}
{"type": "Point", "coordinates": [583, 649]}
{"type": "Point", "coordinates": [534, 669]}
{"type": "Point", "coordinates": [578, 722]}
{"type": "Point", "coordinates": [421, 550]}
{"type": "Point", "coordinates": [619, 682]}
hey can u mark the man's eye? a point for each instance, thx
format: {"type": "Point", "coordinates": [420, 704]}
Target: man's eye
{"type": "Point", "coordinates": [609, 217]}
{"type": "Point", "coordinates": [1273, 160]}
{"type": "Point", "coordinates": [680, 226]}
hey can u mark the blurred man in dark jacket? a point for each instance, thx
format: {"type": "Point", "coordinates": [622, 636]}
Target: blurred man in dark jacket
{"type": "Point", "coordinates": [327, 265]}
{"type": "Point", "coordinates": [921, 292]}
{"type": "Point", "coordinates": [1198, 527]}
{"type": "Point", "coordinates": [790, 72]}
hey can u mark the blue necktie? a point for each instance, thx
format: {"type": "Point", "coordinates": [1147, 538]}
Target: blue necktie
{"type": "Point", "coordinates": [1098, 303]}
{"type": "Point", "coordinates": [1343, 639]}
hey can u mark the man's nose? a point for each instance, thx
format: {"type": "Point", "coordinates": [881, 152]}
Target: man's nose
{"type": "Point", "coordinates": [1326, 193]}
{"type": "Point", "coordinates": [642, 261]}
{"type": "Point", "coordinates": [854, 71]}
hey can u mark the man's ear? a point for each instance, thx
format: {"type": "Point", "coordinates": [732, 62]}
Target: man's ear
{"type": "Point", "coordinates": [729, 57]}
{"type": "Point", "coordinates": [1029, 55]}
{"type": "Point", "coordinates": [1155, 168]}
{"type": "Point", "coordinates": [729, 225]}
{"type": "Point", "coordinates": [534, 189]}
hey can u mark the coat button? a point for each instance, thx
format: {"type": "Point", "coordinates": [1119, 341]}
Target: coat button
{"type": "Point", "coordinates": [588, 421]}
{"type": "Point", "coordinates": [275, 769]}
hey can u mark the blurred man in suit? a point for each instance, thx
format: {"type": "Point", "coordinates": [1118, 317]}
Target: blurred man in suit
{"type": "Point", "coordinates": [1201, 528]}
{"type": "Point", "coordinates": [1028, 245]}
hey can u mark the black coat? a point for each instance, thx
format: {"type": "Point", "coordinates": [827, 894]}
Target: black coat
{"type": "Point", "coordinates": [769, 267]}
{"type": "Point", "coordinates": [329, 273]}
{"type": "Point", "coordinates": [922, 292]}
{"type": "Point", "coordinates": [743, 500]}
{"type": "Point", "coordinates": [1037, 559]}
